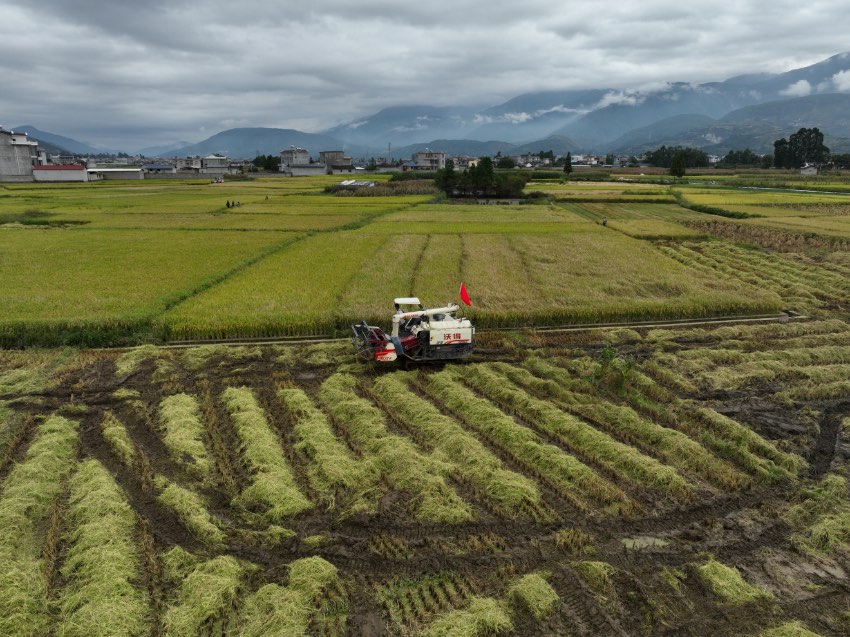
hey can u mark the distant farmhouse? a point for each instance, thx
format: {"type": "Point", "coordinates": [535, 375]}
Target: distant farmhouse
{"type": "Point", "coordinates": [296, 162]}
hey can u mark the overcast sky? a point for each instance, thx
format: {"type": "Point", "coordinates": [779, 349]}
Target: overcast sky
{"type": "Point", "coordinates": [135, 74]}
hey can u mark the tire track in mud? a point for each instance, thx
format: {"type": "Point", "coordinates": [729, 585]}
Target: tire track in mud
{"type": "Point", "coordinates": [823, 451]}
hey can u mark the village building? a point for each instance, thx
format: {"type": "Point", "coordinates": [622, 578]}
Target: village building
{"type": "Point", "coordinates": [18, 155]}
{"type": "Point", "coordinates": [336, 162]}
{"type": "Point", "coordinates": [296, 162]}
{"type": "Point", "coordinates": [60, 172]}
{"type": "Point", "coordinates": [429, 160]}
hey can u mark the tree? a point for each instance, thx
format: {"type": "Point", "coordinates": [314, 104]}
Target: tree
{"type": "Point", "coordinates": [446, 179]}
{"type": "Point", "coordinates": [663, 157]}
{"type": "Point", "coordinates": [568, 163]}
{"type": "Point", "coordinates": [506, 162]}
{"type": "Point", "coordinates": [803, 147]}
{"type": "Point", "coordinates": [677, 166]}
{"type": "Point", "coordinates": [609, 159]}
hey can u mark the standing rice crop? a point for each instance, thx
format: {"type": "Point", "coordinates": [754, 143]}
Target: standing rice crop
{"type": "Point", "coordinates": [103, 595]}
{"type": "Point", "coordinates": [398, 459]}
{"type": "Point", "coordinates": [273, 484]}
{"type": "Point", "coordinates": [28, 494]}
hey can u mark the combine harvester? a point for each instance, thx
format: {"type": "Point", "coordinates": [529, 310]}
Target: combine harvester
{"type": "Point", "coordinates": [433, 334]}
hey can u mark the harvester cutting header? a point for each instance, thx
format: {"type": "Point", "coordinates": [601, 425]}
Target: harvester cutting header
{"type": "Point", "coordinates": [430, 334]}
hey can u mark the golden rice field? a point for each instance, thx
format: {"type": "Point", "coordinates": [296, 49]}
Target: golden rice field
{"type": "Point", "coordinates": [159, 260]}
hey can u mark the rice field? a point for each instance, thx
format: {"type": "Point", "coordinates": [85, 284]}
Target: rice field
{"type": "Point", "coordinates": [653, 484]}
{"type": "Point", "coordinates": [115, 263]}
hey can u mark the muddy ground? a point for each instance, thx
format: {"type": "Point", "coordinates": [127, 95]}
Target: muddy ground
{"type": "Point", "coordinates": [654, 589]}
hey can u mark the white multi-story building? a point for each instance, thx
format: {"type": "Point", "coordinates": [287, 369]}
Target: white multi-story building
{"type": "Point", "coordinates": [429, 160]}
{"type": "Point", "coordinates": [18, 155]}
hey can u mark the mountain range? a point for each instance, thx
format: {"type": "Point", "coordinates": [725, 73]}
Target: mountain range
{"type": "Point", "coordinates": [746, 111]}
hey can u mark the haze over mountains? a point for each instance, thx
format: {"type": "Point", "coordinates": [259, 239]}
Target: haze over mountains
{"type": "Point", "coordinates": [744, 111]}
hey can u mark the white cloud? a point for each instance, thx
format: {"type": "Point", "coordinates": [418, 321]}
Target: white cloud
{"type": "Point", "coordinates": [841, 80]}
{"type": "Point", "coordinates": [800, 88]}
{"type": "Point", "coordinates": [625, 98]}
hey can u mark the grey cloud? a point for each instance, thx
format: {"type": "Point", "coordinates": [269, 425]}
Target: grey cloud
{"type": "Point", "coordinates": [161, 70]}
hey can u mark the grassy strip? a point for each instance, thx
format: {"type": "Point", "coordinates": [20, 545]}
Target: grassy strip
{"type": "Point", "coordinates": [726, 582]}
{"type": "Point", "coordinates": [180, 420]}
{"type": "Point", "coordinates": [207, 598]}
{"type": "Point", "coordinates": [452, 442]}
{"type": "Point", "coordinates": [191, 509]}
{"type": "Point", "coordinates": [278, 610]}
{"type": "Point", "coordinates": [573, 479]}
{"type": "Point", "coordinates": [533, 593]}
{"type": "Point", "coordinates": [673, 446]}
{"type": "Point", "coordinates": [397, 458]}
{"type": "Point", "coordinates": [115, 434]}
{"type": "Point", "coordinates": [27, 498]}
{"type": "Point", "coordinates": [102, 565]}
{"type": "Point", "coordinates": [584, 440]}
{"type": "Point", "coordinates": [273, 485]}
{"type": "Point", "coordinates": [331, 464]}
{"type": "Point", "coordinates": [483, 617]}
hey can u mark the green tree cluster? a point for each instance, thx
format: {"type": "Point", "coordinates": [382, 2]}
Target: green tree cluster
{"type": "Point", "coordinates": [803, 147]}
{"type": "Point", "coordinates": [480, 180]}
{"type": "Point", "coordinates": [267, 162]}
{"type": "Point", "coordinates": [663, 157]}
{"type": "Point", "coordinates": [744, 157]}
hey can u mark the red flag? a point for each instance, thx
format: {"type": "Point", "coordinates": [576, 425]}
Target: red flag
{"type": "Point", "coordinates": [464, 295]}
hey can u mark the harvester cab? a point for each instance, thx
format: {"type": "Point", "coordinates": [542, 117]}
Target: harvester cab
{"type": "Point", "coordinates": [420, 334]}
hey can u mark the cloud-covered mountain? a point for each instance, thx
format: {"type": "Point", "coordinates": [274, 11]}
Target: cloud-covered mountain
{"type": "Point", "coordinates": [746, 110]}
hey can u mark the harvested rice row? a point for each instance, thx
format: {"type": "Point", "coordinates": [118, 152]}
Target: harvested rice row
{"type": "Point", "coordinates": [573, 479]}
{"type": "Point", "coordinates": [819, 279]}
{"type": "Point", "coordinates": [472, 460]}
{"type": "Point", "coordinates": [623, 460]}
{"type": "Point", "coordinates": [207, 598]}
{"type": "Point", "coordinates": [183, 433]}
{"type": "Point", "coordinates": [192, 510]}
{"type": "Point", "coordinates": [272, 485]}
{"type": "Point", "coordinates": [734, 336]}
{"type": "Point", "coordinates": [116, 436]}
{"type": "Point", "coordinates": [279, 610]}
{"type": "Point", "coordinates": [103, 595]}
{"type": "Point", "coordinates": [331, 466]}
{"type": "Point", "coordinates": [673, 446]}
{"type": "Point", "coordinates": [726, 437]}
{"type": "Point", "coordinates": [28, 495]}
{"type": "Point", "coordinates": [530, 594]}
{"type": "Point", "coordinates": [397, 458]}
